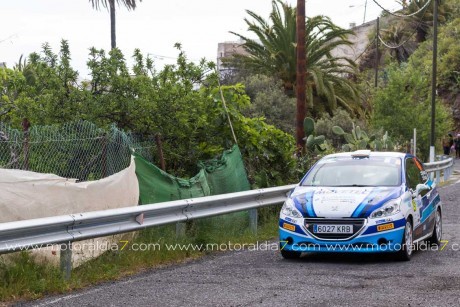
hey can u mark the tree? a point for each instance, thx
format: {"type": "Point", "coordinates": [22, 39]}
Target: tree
{"type": "Point", "coordinates": [404, 104]}
{"type": "Point", "coordinates": [11, 84]}
{"type": "Point", "coordinates": [423, 20]}
{"type": "Point", "coordinates": [301, 73]}
{"type": "Point", "coordinates": [269, 100]}
{"type": "Point", "coordinates": [274, 53]}
{"type": "Point", "coordinates": [398, 38]}
{"type": "Point", "coordinates": [110, 5]}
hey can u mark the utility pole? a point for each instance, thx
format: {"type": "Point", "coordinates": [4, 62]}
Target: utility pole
{"type": "Point", "coordinates": [376, 65]}
{"type": "Point", "coordinates": [300, 75]}
{"type": "Point", "coordinates": [433, 78]}
{"type": "Point", "coordinates": [365, 9]}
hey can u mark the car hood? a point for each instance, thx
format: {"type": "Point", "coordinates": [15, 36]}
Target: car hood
{"type": "Point", "coordinates": [340, 202]}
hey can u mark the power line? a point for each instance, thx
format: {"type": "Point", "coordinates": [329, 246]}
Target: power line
{"type": "Point", "coordinates": [410, 36]}
{"type": "Point", "coordinates": [398, 46]}
{"type": "Point", "coordinates": [401, 15]}
{"type": "Point", "coordinates": [161, 57]}
{"type": "Point", "coordinates": [367, 48]}
{"type": "Point", "coordinates": [9, 37]}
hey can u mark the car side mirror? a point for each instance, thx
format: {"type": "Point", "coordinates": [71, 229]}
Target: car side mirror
{"type": "Point", "coordinates": [421, 189]}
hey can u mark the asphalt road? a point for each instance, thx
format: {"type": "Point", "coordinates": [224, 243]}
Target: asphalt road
{"type": "Point", "coordinates": [263, 278]}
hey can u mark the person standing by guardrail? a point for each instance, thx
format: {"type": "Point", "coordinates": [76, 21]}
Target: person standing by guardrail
{"type": "Point", "coordinates": [457, 146]}
{"type": "Point", "coordinates": [447, 142]}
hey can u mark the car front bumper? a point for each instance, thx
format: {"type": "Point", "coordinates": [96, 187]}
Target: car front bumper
{"type": "Point", "coordinates": [372, 237]}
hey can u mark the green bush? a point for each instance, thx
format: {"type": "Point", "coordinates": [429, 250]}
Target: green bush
{"type": "Point", "coordinates": [404, 103]}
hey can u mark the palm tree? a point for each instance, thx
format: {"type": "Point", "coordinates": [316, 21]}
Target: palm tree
{"type": "Point", "coordinates": [110, 5]}
{"type": "Point", "coordinates": [422, 21]}
{"type": "Point", "coordinates": [397, 37]}
{"type": "Point", "coordinates": [274, 53]}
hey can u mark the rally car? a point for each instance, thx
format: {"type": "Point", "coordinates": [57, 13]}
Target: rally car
{"type": "Point", "coordinates": [361, 201]}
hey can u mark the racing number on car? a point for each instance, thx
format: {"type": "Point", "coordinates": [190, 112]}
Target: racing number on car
{"type": "Point", "coordinates": [414, 204]}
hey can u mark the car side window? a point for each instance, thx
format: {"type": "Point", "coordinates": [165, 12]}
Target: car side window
{"type": "Point", "coordinates": [413, 173]}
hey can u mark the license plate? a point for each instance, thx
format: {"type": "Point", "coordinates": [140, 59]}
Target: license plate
{"type": "Point", "coordinates": [333, 228]}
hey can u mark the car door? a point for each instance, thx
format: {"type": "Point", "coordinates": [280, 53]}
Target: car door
{"type": "Point", "coordinates": [414, 176]}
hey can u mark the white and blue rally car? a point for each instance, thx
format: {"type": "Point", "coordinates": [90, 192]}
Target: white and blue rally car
{"type": "Point", "coordinates": [361, 201]}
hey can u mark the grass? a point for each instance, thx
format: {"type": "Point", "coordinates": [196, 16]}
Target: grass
{"type": "Point", "coordinates": [23, 279]}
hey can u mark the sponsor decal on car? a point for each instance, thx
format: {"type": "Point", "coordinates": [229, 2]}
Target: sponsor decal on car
{"type": "Point", "coordinates": [383, 221]}
{"type": "Point", "coordinates": [414, 205]}
{"type": "Point", "coordinates": [289, 226]}
{"type": "Point", "coordinates": [385, 227]}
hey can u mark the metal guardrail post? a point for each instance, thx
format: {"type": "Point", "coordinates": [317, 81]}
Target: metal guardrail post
{"type": "Point", "coordinates": [180, 230]}
{"type": "Point", "coordinates": [438, 176]}
{"type": "Point", "coordinates": [66, 260]}
{"type": "Point", "coordinates": [253, 219]}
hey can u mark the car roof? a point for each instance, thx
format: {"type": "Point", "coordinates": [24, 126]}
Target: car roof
{"type": "Point", "coordinates": [368, 153]}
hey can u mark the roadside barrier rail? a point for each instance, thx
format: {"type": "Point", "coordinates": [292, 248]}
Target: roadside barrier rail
{"type": "Point", "coordinates": [23, 235]}
{"type": "Point", "coordinates": [440, 169]}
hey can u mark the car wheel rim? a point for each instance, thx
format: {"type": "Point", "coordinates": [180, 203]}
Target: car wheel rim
{"type": "Point", "coordinates": [408, 238]}
{"type": "Point", "coordinates": [438, 226]}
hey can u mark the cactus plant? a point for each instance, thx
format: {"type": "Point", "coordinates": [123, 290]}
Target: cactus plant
{"type": "Point", "coordinates": [358, 139]}
{"type": "Point", "coordinates": [313, 142]}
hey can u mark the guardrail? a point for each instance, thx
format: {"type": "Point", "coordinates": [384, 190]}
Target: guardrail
{"type": "Point", "coordinates": [440, 169]}
{"type": "Point", "coordinates": [23, 235]}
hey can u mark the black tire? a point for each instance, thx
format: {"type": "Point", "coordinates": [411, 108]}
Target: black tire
{"type": "Point", "coordinates": [290, 254]}
{"type": "Point", "coordinates": [406, 251]}
{"type": "Point", "coordinates": [436, 237]}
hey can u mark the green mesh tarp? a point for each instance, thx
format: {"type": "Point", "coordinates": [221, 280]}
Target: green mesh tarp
{"type": "Point", "coordinates": [218, 176]}
{"type": "Point", "coordinates": [227, 174]}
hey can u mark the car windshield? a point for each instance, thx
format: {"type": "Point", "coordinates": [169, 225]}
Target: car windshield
{"type": "Point", "coordinates": [346, 172]}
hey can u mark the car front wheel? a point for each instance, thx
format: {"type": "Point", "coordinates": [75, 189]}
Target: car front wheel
{"type": "Point", "coordinates": [406, 250]}
{"type": "Point", "coordinates": [436, 237]}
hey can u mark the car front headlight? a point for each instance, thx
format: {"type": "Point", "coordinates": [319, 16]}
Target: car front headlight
{"type": "Point", "coordinates": [390, 208]}
{"type": "Point", "coordinates": [290, 210]}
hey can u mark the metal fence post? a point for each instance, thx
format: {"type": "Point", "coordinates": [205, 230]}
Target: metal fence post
{"type": "Point", "coordinates": [105, 142]}
{"type": "Point", "coordinates": [253, 218]}
{"type": "Point", "coordinates": [25, 129]}
{"type": "Point", "coordinates": [180, 230]}
{"type": "Point", "coordinates": [160, 151]}
{"type": "Point", "coordinates": [66, 259]}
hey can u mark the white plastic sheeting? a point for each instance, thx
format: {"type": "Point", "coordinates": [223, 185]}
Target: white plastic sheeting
{"type": "Point", "coordinates": [28, 195]}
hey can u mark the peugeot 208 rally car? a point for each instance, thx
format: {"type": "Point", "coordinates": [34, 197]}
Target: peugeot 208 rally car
{"type": "Point", "coordinates": [361, 202]}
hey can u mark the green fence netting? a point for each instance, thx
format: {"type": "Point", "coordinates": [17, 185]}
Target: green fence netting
{"type": "Point", "coordinates": [218, 176]}
{"type": "Point", "coordinates": [78, 150]}
{"type": "Point", "coordinates": [225, 174]}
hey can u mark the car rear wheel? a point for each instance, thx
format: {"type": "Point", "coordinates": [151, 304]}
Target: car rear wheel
{"type": "Point", "coordinates": [437, 231]}
{"type": "Point", "coordinates": [406, 250]}
{"type": "Point", "coordinates": [290, 254]}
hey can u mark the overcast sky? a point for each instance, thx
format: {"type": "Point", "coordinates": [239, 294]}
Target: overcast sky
{"type": "Point", "coordinates": [154, 27]}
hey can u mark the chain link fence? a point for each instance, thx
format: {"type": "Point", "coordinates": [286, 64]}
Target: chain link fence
{"type": "Point", "coordinates": [77, 150]}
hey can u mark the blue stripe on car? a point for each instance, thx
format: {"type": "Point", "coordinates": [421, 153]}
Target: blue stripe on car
{"type": "Point", "coordinates": [309, 204]}
{"type": "Point", "coordinates": [365, 203]}
{"type": "Point", "coordinates": [371, 207]}
{"type": "Point", "coordinates": [429, 209]}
